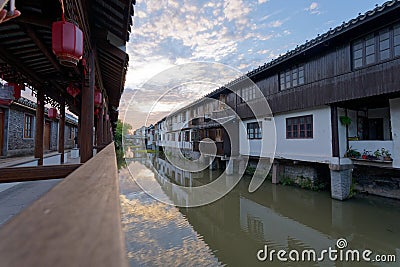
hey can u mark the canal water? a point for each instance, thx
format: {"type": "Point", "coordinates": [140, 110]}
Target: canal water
{"type": "Point", "coordinates": [233, 230]}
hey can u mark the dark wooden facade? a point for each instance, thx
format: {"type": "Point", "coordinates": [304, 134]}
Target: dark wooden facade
{"type": "Point", "coordinates": [329, 74]}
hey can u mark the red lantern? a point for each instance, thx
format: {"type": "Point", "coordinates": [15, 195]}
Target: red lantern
{"type": "Point", "coordinates": [67, 43]}
{"type": "Point", "coordinates": [17, 90]}
{"type": "Point", "coordinates": [96, 111]}
{"type": "Point", "coordinates": [52, 113]}
{"type": "Point", "coordinates": [98, 98]}
{"type": "Point", "coordinates": [73, 91]}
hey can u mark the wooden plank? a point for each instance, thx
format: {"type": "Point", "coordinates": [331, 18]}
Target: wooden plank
{"type": "Point", "coordinates": [24, 174]}
{"type": "Point", "coordinates": [77, 223]}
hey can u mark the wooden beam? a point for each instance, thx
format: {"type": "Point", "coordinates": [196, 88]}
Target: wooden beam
{"type": "Point", "coordinates": [77, 223]}
{"type": "Point", "coordinates": [61, 131]}
{"type": "Point", "coordinates": [87, 114]}
{"type": "Point", "coordinates": [24, 174]}
{"type": "Point", "coordinates": [44, 48]}
{"type": "Point", "coordinates": [7, 57]}
{"type": "Point", "coordinates": [34, 20]}
{"type": "Point", "coordinates": [39, 124]}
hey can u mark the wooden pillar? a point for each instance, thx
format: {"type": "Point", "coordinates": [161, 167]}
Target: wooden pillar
{"type": "Point", "coordinates": [39, 124]}
{"type": "Point", "coordinates": [99, 128]}
{"type": "Point", "coordinates": [61, 132]}
{"type": "Point", "coordinates": [79, 131]}
{"type": "Point", "coordinates": [87, 114]}
{"type": "Point", "coordinates": [105, 132]}
{"type": "Point", "coordinates": [335, 131]}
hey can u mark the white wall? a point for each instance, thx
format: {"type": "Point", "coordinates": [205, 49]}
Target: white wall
{"type": "Point", "coordinates": [395, 119]}
{"type": "Point", "coordinates": [317, 149]}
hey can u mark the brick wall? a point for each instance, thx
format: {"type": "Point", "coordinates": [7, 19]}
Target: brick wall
{"type": "Point", "coordinates": [17, 144]}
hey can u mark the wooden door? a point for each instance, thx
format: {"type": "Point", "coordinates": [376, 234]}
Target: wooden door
{"type": "Point", "coordinates": [46, 136]}
{"type": "Point", "coordinates": [1, 131]}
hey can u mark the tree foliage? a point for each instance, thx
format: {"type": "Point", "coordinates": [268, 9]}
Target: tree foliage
{"type": "Point", "coordinates": [121, 130]}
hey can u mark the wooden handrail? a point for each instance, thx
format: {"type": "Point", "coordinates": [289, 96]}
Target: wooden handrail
{"type": "Point", "coordinates": [77, 223]}
{"type": "Point", "coordinates": [24, 174]}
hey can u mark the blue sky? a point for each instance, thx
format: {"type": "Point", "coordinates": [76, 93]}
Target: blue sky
{"type": "Point", "coordinates": [241, 34]}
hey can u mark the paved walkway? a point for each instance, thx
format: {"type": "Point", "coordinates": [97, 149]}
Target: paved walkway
{"type": "Point", "coordinates": [14, 197]}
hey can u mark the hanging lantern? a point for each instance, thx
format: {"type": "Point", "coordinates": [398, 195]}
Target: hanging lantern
{"type": "Point", "coordinates": [52, 113]}
{"type": "Point", "coordinates": [96, 111]}
{"type": "Point", "coordinates": [98, 98]}
{"type": "Point", "coordinates": [73, 91]}
{"type": "Point", "coordinates": [67, 41]}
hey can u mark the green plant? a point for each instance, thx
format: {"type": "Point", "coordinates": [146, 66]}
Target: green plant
{"type": "Point", "coordinates": [352, 153]}
{"type": "Point", "coordinates": [250, 170]}
{"type": "Point", "coordinates": [377, 154]}
{"type": "Point", "coordinates": [386, 154]}
{"type": "Point", "coordinates": [345, 120]}
{"type": "Point", "coordinates": [353, 190]}
{"type": "Point", "coordinates": [284, 180]}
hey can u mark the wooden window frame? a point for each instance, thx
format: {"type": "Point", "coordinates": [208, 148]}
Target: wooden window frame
{"type": "Point", "coordinates": [292, 77]}
{"type": "Point", "coordinates": [295, 122]}
{"type": "Point", "coordinates": [254, 133]}
{"type": "Point", "coordinates": [28, 133]}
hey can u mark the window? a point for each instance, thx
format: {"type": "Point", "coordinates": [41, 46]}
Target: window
{"type": "Point", "coordinates": [370, 49]}
{"type": "Point", "coordinates": [254, 130]}
{"type": "Point", "coordinates": [28, 126]}
{"type": "Point", "coordinates": [187, 136]}
{"type": "Point", "coordinates": [292, 77]}
{"type": "Point", "coordinates": [248, 94]}
{"type": "Point", "coordinates": [396, 40]}
{"type": "Point", "coordinates": [299, 127]}
{"type": "Point", "coordinates": [70, 133]}
{"type": "Point", "coordinates": [384, 47]}
{"type": "Point", "coordinates": [376, 47]}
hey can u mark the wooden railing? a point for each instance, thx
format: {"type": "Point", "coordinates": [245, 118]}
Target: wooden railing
{"type": "Point", "coordinates": [77, 223]}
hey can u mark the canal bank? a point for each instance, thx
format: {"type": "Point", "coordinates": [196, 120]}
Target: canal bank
{"type": "Point", "coordinates": [231, 230]}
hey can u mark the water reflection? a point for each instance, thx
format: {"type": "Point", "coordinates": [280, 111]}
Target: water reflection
{"type": "Point", "coordinates": [231, 230]}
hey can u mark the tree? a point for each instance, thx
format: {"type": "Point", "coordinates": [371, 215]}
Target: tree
{"type": "Point", "coordinates": [121, 130]}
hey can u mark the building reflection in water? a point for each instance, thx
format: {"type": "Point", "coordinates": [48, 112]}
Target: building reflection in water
{"type": "Point", "coordinates": [232, 229]}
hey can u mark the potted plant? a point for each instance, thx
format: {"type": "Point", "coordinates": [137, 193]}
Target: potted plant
{"type": "Point", "coordinates": [365, 154]}
{"type": "Point", "coordinates": [352, 153]}
{"type": "Point", "coordinates": [345, 120]}
{"type": "Point", "coordinates": [377, 155]}
{"type": "Point", "coordinates": [386, 155]}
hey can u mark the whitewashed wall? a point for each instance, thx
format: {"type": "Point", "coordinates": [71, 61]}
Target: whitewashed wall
{"type": "Point", "coordinates": [317, 149]}
{"type": "Point", "coordinates": [395, 119]}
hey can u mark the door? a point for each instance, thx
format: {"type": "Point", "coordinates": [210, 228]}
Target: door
{"type": "Point", "coordinates": [46, 136]}
{"type": "Point", "coordinates": [1, 131]}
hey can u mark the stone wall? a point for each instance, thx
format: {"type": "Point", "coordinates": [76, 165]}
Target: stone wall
{"type": "Point", "coordinates": [377, 181]}
{"type": "Point", "coordinates": [54, 136]}
{"type": "Point", "coordinates": [17, 144]}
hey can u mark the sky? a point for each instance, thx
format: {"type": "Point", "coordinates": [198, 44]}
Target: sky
{"type": "Point", "coordinates": [238, 34]}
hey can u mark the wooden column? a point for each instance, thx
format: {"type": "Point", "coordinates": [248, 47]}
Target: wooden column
{"type": "Point", "coordinates": [87, 114]}
{"type": "Point", "coordinates": [99, 128]}
{"type": "Point", "coordinates": [79, 131]}
{"type": "Point", "coordinates": [61, 132]}
{"type": "Point", "coordinates": [39, 124]}
{"type": "Point", "coordinates": [335, 131]}
{"type": "Point", "coordinates": [105, 126]}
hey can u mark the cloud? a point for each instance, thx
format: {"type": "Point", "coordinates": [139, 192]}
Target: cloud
{"type": "Point", "coordinates": [262, 1]}
{"type": "Point", "coordinates": [275, 24]}
{"type": "Point", "coordinates": [313, 8]}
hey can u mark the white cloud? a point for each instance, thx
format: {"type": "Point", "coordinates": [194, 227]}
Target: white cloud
{"type": "Point", "coordinates": [262, 1]}
{"type": "Point", "coordinates": [313, 8]}
{"type": "Point", "coordinates": [275, 24]}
